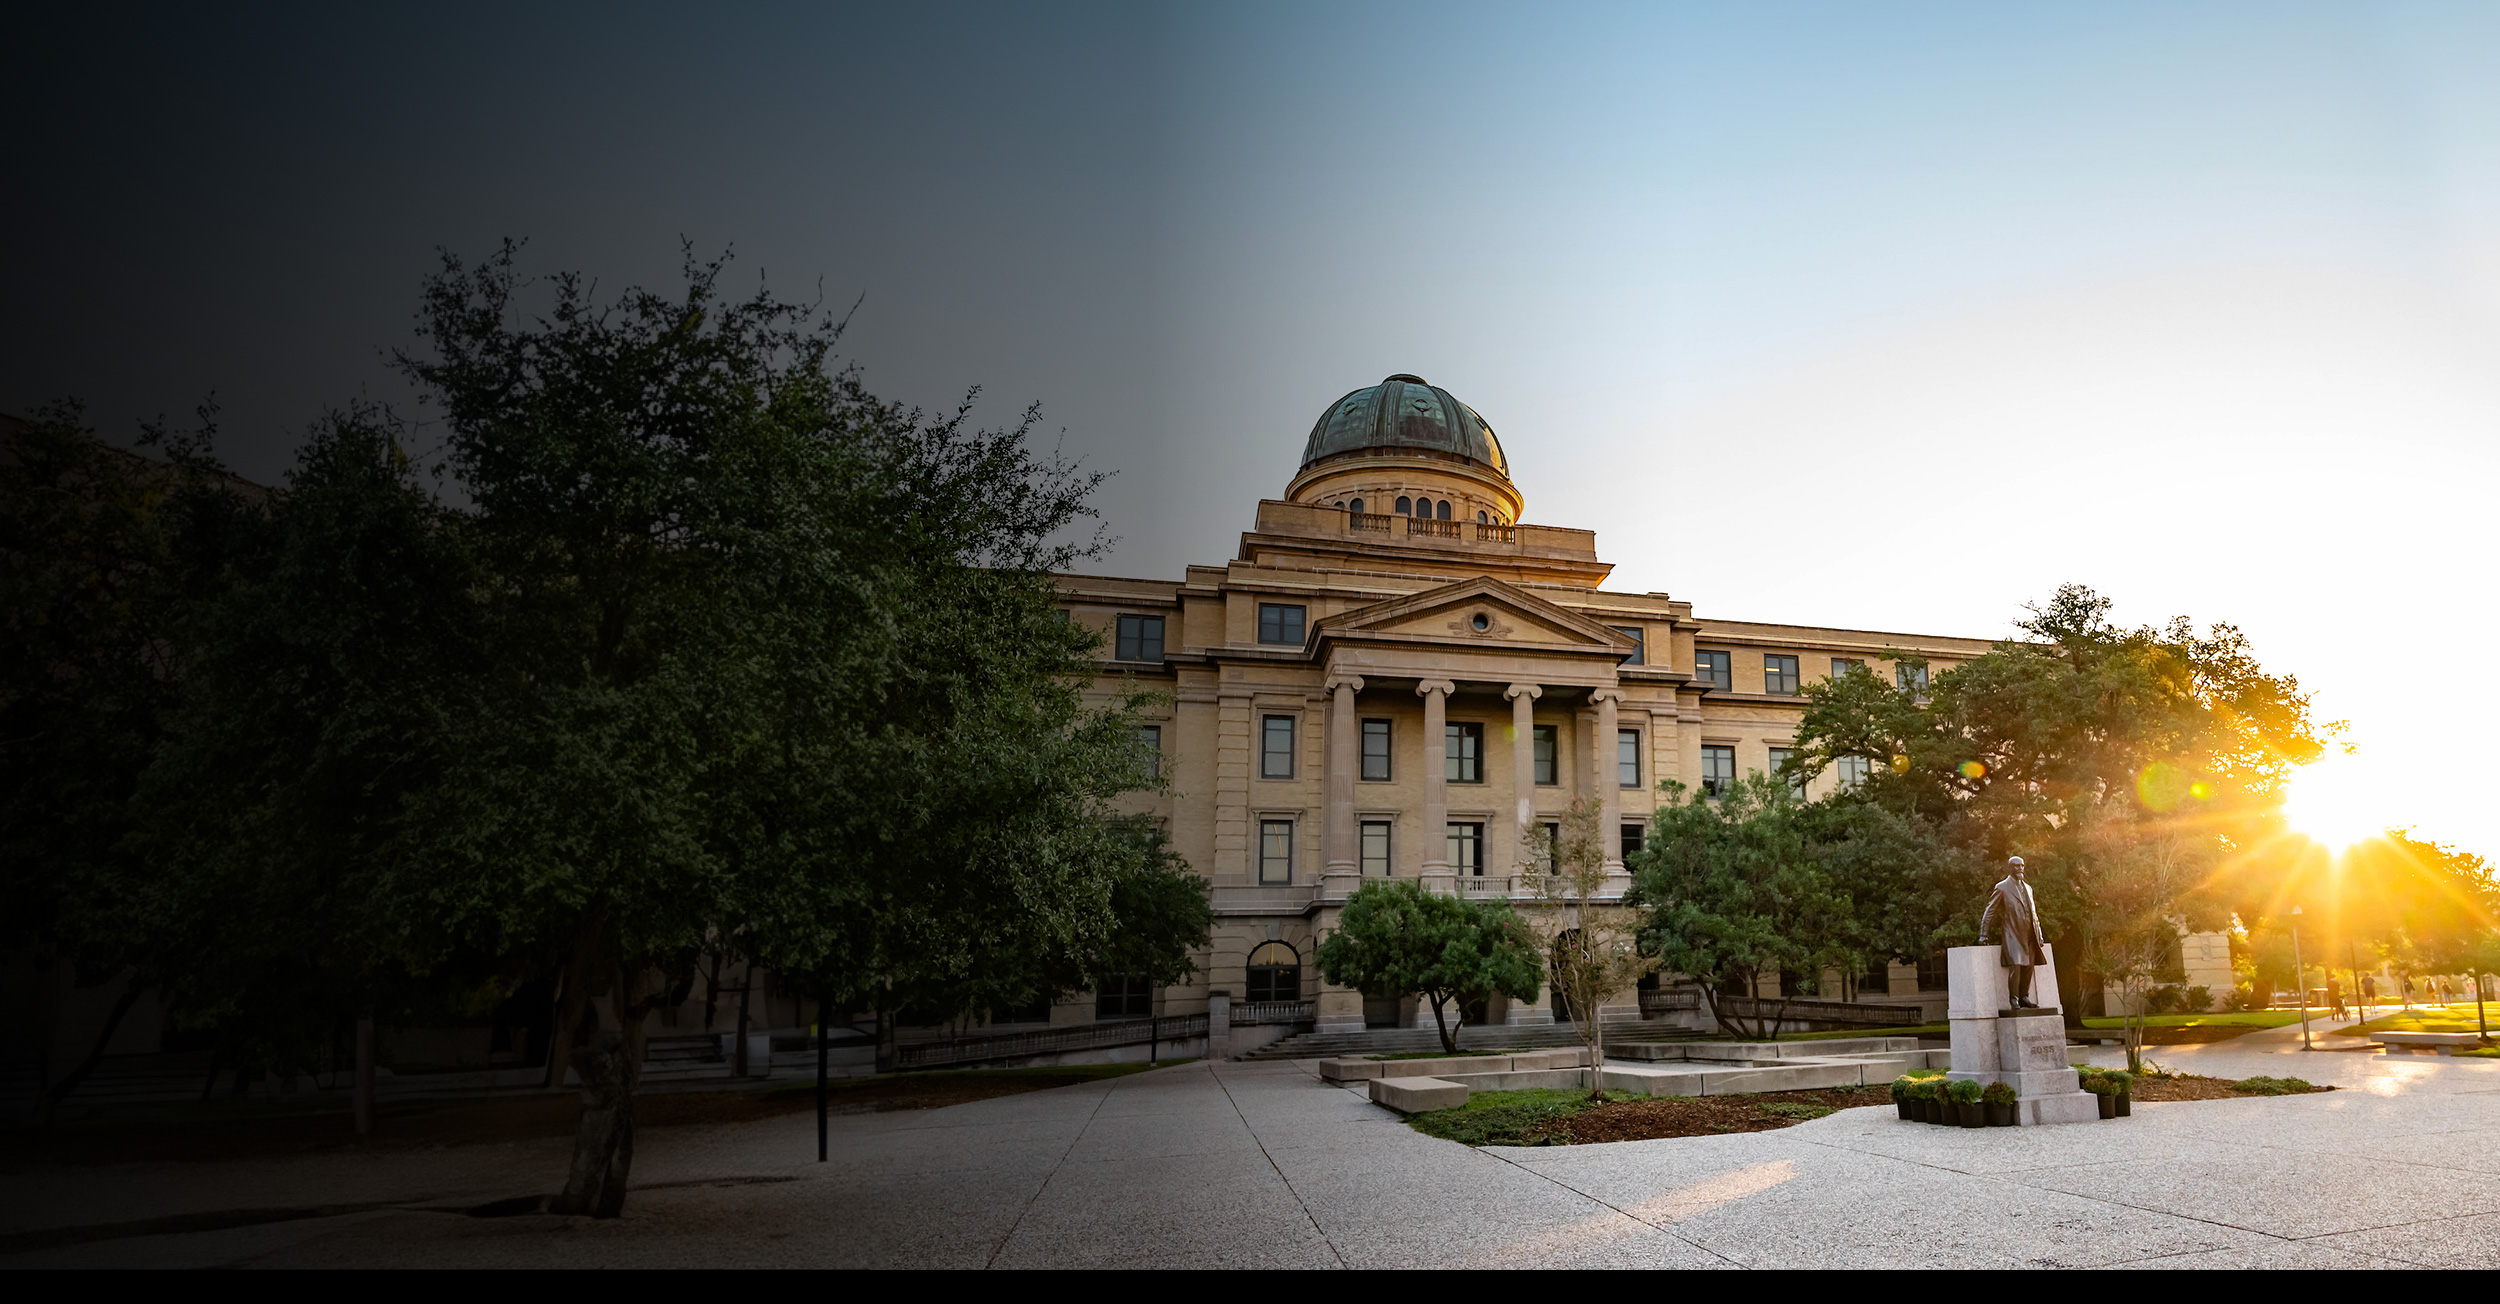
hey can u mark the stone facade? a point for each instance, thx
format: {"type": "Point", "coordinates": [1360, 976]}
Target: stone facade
{"type": "Point", "coordinates": [1387, 624]}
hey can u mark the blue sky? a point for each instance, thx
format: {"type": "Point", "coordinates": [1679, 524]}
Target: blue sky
{"type": "Point", "coordinates": [1884, 316]}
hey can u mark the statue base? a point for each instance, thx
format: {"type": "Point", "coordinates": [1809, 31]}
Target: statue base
{"type": "Point", "coordinates": [2024, 1049]}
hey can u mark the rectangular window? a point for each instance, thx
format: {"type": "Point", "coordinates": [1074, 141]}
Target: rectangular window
{"type": "Point", "coordinates": [1150, 741]}
{"type": "Point", "coordinates": [1280, 623]}
{"type": "Point", "coordinates": [1640, 640]}
{"type": "Point", "coordinates": [1712, 669]}
{"type": "Point", "coordinates": [1779, 675]}
{"type": "Point", "coordinates": [1627, 758]}
{"type": "Point", "coordinates": [1553, 844]}
{"type": "Point", "coordinates": [1843, 665]}
{"type": "Point", "coordinates": [1276, 851]}
{"type": "Point", "coordinates": [1909, 678]}
{"type": "Point", "coordinates": [1276, 747]}
{"type": "Point", "coordinates": [1462, 753]}
{"type": "Point", "coordinates": [1547, 749]}
{"type": "Point", "coordinates": [1780, 756]}
{"type": "Point", "coordinates": [1931, 973]}
{"type": "Point", "coordinates": [1852, 770]}
{"type": "Point", "coordinates": [1376, 750]}
{"type": "Point", "coordinates": [1718, 769]}
{"type": "Point", "coordinates": [1123, 997]}
{"type": "Point", "coordinates": [1141, 639]}
{"type": "Point", "coordinates": [1631, 834]}
{"type": "Point", "coordinates": [1467, 850]}
{"type": "Point", "coordinates": [1376, 849]}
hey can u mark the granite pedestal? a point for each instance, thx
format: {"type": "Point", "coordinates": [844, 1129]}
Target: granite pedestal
{"type": "Point", "coordinates": [2025, 1049]}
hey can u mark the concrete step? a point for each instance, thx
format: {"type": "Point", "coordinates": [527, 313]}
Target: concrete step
{"type": "Point", "coordinates": [1387, 1041]}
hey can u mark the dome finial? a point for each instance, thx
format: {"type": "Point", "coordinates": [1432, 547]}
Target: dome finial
{"type": "Point", "coordinates": [1411, 380]}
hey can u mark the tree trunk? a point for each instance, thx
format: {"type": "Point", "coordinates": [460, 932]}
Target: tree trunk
{"type": "Point", "coordinates": [603, 1148]}
{"type": "Point", "coordinates": [95, 1054]}
{"type": "Point", "coordinates": [573, 996]}
{"type": "Point", "coordinates": [364, 1076]}
{"type": "Point", "coordinates": [1449, 1043]}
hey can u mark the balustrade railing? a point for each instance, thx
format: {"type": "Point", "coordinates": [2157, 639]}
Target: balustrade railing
{"type": "Point", "coordinates": [1497, 533]}
{"type": "Point", "coordinates": [1437, 529]}
{"type": "Point", "coordinates": [1375, 522]}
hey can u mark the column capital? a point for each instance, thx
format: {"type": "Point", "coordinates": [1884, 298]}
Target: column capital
{"type": "Point", "coordinates": [1431, 686]}
{"type": "Point", "coordinates": [1335, 682]}
{"type": "Point", "coordinates": [1529, 691]}
{"type": "Point", "coordinates": [1606, 695]}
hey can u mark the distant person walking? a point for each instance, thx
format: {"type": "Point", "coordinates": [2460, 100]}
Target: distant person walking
{"type": "Point", "coordinates": [2335, 997]}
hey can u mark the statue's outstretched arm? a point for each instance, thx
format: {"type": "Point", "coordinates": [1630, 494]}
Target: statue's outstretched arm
{"type": "Point", "coordinates": [1988, 920]}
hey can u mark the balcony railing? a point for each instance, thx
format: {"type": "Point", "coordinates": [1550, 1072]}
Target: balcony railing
{"type": "Point", "coordinates": [1374, 522]}
{"type": "Point", "coordinates": [1497, 533]}
{"type": "Point", "coordinates": [1437, 529]}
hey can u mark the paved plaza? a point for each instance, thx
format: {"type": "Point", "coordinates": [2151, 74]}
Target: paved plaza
{"type": "Point", "coordinates": [1261, 1165]}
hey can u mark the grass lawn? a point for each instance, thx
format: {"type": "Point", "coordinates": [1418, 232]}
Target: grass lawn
{"type": "Point", "coordinates": [2240, 1019]}
{"type": "Point", "coordinates": [2423, 1018]}
{"type": "Point", "coordinates": [1569, 1117]}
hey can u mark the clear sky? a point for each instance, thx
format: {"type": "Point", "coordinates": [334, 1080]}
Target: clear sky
{"type": "Point", "coordinates": [1892, 317]}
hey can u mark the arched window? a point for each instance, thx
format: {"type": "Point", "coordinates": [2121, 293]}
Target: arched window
{"type": "Point", "coordinates": [1355, 507]}
{"type": "Point", "coordinates": [1444, 511]}
{"type": "Point", "coordinates": [1406, 505]}
{"type": "Point", "coordinates": [1275, 973]}
{"type": "Point", "coordinates": [1482, 519]}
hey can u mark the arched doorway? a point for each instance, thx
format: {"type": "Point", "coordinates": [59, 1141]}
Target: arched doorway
{"type": "Point", "coordinates": [1275, 973]}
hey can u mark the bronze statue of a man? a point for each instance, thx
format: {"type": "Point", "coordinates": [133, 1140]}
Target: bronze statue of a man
{"type": "Point", "coordinates": [2013, 915]}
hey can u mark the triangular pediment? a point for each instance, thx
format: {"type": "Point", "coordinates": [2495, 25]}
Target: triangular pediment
{"type": "Point", "coordinates": [1481, 610]}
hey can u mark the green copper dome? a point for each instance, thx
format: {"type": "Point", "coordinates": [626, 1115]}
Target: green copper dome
{"type": "Point", "coordinates": [1404, 412]}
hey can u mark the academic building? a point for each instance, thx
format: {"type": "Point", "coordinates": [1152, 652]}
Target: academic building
{"type": "Point", "coordinates": [1396, 675]}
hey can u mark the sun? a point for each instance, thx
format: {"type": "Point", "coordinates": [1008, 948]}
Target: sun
{"type": "Point", "coordinates": [2335, 802]}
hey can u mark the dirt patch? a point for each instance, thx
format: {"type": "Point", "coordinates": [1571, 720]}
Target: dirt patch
{"type": "Point", "coordinates": [219, 1133]}
{"type": "Point", "coordinates": [2194, 1086]}
{"type": "Point", "coordinates": [1644, 1120]}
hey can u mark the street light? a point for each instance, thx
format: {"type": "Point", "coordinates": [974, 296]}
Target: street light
{"type": "Point", "coordinates": [2300, 979]}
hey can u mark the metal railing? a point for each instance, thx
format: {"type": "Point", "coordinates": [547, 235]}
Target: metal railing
{"type": "Point", "coordinates": [1252, 1013]}
{"type": "Point", "coordinates": [1048, 1041]}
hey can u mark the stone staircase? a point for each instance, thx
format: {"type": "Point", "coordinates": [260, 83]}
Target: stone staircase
{"type": "Point", "coordinates": [1390, 1041]}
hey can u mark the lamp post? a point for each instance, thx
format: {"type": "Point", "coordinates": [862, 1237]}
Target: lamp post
{"type": "Point", "coordinates": [2300, 979]}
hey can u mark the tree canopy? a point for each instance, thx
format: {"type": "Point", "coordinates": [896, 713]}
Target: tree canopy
{"type": "Point", "coordinates": [1394, 936]}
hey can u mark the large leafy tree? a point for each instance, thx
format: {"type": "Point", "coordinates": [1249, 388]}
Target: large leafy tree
{"type": "Point", "coordinates": [770, 669]}
{"type": "Point", "coordinates": [1396, 936]}
{"type": "Point", "coordinates": [107, 560]}
{"type": "Point", "coordinates": [1741, 889]}
{"type": "Point", "coordinates": [2137, 770]}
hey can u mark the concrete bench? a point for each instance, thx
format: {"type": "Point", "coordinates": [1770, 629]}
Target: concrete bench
{"type": "Point", "coordinates": [2444, 1043]}
{"type": "Point", "coordinates": [1417, 1095]}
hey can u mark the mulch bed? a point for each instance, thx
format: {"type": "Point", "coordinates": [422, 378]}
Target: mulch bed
{"type": "Point", "coordinates": [206, 1135]}
{"type": "Point", "coordinates": [1644, 1120]}
{"type": "Point", "coordinates": [2194, 1086]}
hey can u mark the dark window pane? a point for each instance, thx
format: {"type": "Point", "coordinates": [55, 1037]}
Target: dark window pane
{"type": "Point", "coordinates": [1712, 668]}
{"type": "Point", "coordinates": [1355, 507]}
{"type": "Point", "coordinates": [1779, 674]}
{"type": "Point", "coordinates": [1375, 749]}
{"type": "Point", "coordinates": [1140, 639]}
{"type": "Point", "coordinates": [1280, 623]}
{"type": "Point", "coordinates": [1466, 850]}
{"type": "Point", "coordinates": [1463, 753]}
{"type": "Point", "coordinates": [1276, 747]}
{"type": "Point", "coordinates": [1640, 641]}
{"type": "Point", "coordinates": [1546, 751]}
{"type": "Point", "coordinates": [1406, 505]}
{"type": "Point", "coordinates": [1124, 998]}
{"type": "Point", "coordinates": [1718, 769]}
{"type": "Point", "coordinates": [1276, 851]}
{"type": "Point", "coordinates": [1150, 739]}
{"type": "Point", "coordinates": [1443, 511]}
{"type": "Point", "coordinates": [1631, 834]}
{"type": "Point", "coordinates": [1628, 758]}
{"type": "Point", "coordinates": [1376, 849]}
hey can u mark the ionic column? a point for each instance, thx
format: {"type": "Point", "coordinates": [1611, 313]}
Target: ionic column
{"type": "Point", "coordinates": [1340, 868]}
{"type": "Point", "coordinates": [1522, 768]}
{"type": "Point", "coordinates": [1436, 817]}
{"type": "Point", "coordinates": [1609, 788]}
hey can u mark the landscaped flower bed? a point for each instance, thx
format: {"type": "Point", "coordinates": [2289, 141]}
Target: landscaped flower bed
{"type": "Point", "coordinates": [1549, 1118]}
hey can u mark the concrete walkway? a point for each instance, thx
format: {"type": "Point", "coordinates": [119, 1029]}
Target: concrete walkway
{"type": "Point", "coordinates": [1261, 1165]}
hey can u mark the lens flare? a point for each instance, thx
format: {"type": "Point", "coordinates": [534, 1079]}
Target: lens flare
{"type": "Point", "coordinates": [1974, 770]}
{"type": "Point", "coordinates": [2336, 802]}
{"type": "Point", "coordinates": [1900, 764]}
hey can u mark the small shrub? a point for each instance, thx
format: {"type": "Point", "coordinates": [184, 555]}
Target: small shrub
{"type": "Point", "coordinates": [1998, 1093]}
{"type": "Point", "coordinates": [1964, 1091]}
{"type": "Point", "coordinates": [2095, 1081]}
{"type": "Point", "coordinates": [2265, 1086]}
{"type": "Point", "coordinates": [1900, 1089]}
{"type": "Point", "coordinates": [1795, 1109]}
{"type": "Point", "coordinates": [2119, 1080]}
{"type": "Point", "coordinates": [2199, 1000]}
